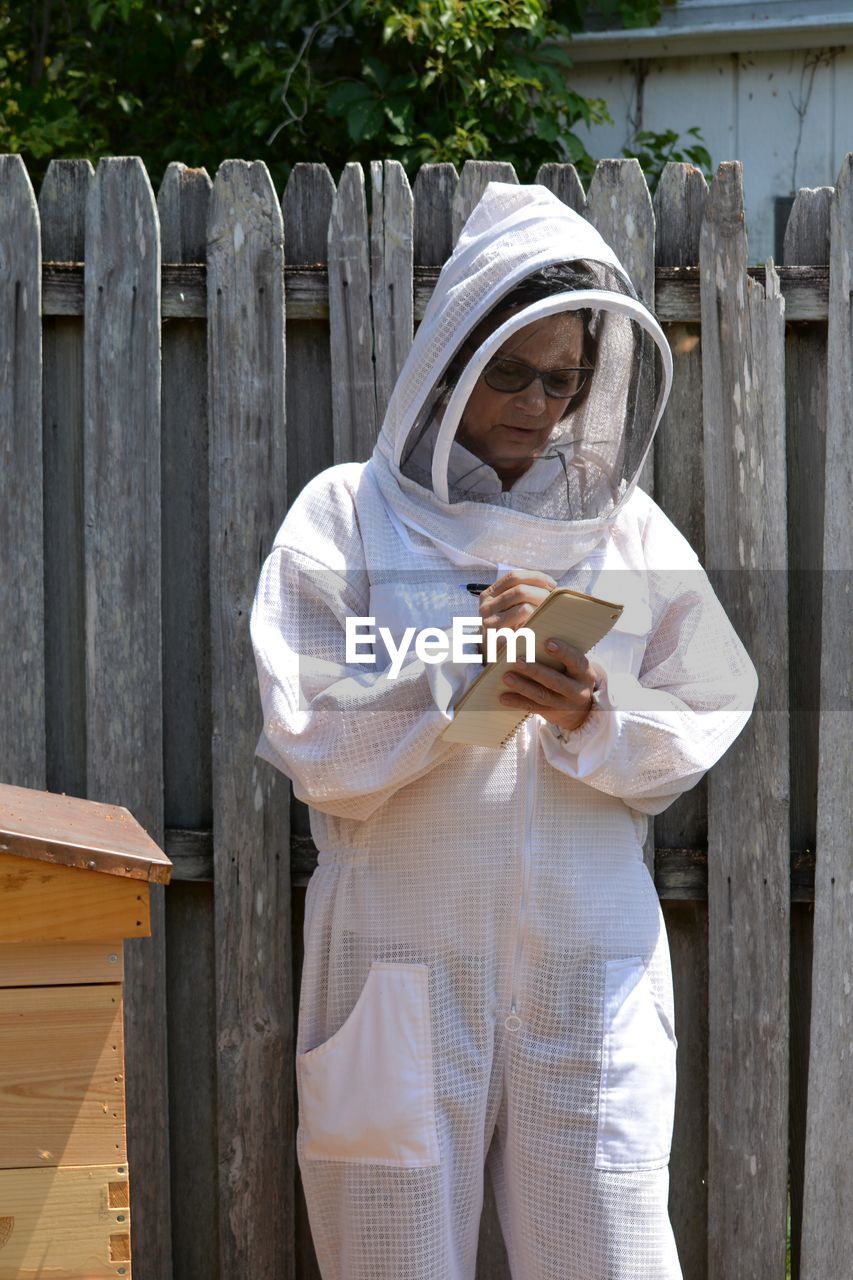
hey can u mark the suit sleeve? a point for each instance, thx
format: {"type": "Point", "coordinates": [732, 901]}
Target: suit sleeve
{"type": "Point", "coordinates": [347, 734]}
{"type": "Point", "coordinates": [650, 737]}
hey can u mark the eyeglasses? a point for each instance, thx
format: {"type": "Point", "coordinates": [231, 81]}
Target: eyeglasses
{"type": "Point", "coordinates": [507, 375]}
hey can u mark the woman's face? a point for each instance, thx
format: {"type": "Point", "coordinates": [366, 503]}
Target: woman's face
{"type": "Point", "coordinates": [509, 429]}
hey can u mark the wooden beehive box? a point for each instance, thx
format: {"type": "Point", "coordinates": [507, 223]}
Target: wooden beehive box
{"type": "Point", "coordinates": [74, 882]}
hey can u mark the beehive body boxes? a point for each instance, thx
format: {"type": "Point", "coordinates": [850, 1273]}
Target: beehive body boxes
{"type": "Point", "coordinates": [74, 882]}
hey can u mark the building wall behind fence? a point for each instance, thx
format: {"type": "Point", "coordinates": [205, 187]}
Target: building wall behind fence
{"type": "Point", "coordinates": [784, 113]}
{"type": "Point", "coordinates": [152, 409]}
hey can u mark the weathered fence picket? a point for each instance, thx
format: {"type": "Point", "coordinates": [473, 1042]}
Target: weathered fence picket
{"type": "Point", "coordinates": [391, 264]}
{"type": "Point", "coordinates": [563, 180]}
{"type": "Point", "coordinates": [619, 206]}
{"type": "Point", "coordinates": [183, 203]}
{"type": "Point", "coordinates": [124, 708]}
{"type": "Point", "coordinates": [306, 209]}
{"type": "Point", "coordinates": [679, 487]}
{"type": "Point", "coordinates": [350, 328]}
{"type": "Point", "coordinates": [748, 839]}
{"type": "Point", "coordinates": [196, 441]}
{"type": "Point", "coordinates": [62, 212]}
{"type": "Point", "coordinates": [433, 218]}
{"type": "Point", "coordinates": [22, 718]}
{"type": "Point", "coordinates": [473, 180]}
{"type": "Point", "coordinates": [248, 488]}
{"type": "Point", "coordinates": [679, 208]}
{"type": "Point", "coordinates": [806, 241]}
{"type": "Point", "coordinates": [827, 1245]}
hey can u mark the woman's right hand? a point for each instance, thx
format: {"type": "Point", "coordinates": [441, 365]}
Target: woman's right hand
{"type": "Point", "coordinates": [510, 601]}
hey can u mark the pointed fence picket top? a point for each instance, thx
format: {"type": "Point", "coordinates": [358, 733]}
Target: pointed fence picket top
{"type": "Point", "coordinates": [679, 482]}
{"type": "Point", "coordinates": [748, 843]}
{"type": "Point", "coordinates": [807, 244]}
{"type": "Point", "coordinates": [350, 327]}
{"type": "Point", "coordinates": [563, 180]}
{"type": "Point", "coordinates": [124, 711]}
{"type": "Point", "coordinates": [473, 180]}
{"type": "Point", "coordinates": [679, 205]}
{"type": "Point", "coordinates": [391, 293]}
{"type": "Point", "coordinates": [22, 694]}
{"type": "Point", "coordinates": [306, 209]}
{"type": "Point", "coordinates": [248, 487]}
{"type": "Point", "coordinates": [433, 192]}
{"type": "Point", "coordinates": [183, 202]}
{"type": "Point", "coordinates": [827, 1244]}
{"type": "Point", "coordinates": [62, 208]}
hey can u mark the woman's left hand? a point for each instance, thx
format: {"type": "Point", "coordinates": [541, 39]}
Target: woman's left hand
{"type": "Point", "coordinates": [562, 697]}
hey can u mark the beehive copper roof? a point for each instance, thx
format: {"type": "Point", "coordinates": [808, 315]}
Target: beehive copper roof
{"type": "Point", "coordinates": [78, 833]}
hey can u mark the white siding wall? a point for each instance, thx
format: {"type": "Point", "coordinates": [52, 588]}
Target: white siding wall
{"type": "Point", "coordinates": [746, 106]}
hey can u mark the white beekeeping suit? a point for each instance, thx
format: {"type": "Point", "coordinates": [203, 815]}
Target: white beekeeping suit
{"type": "Point", "coordinates": [486, 977]}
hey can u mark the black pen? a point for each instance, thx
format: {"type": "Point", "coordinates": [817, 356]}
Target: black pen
{"type": "Point", "coordinates": [476, 587]}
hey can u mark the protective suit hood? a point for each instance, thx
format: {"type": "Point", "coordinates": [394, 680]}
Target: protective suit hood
{"type": "Point", "coordinates": [575, 487]}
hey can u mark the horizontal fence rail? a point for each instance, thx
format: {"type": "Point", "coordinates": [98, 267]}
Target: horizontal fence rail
{"type": "Point", "coordinates": [178, 367]}
{"type": "Point", "coordinates": [184, 291]}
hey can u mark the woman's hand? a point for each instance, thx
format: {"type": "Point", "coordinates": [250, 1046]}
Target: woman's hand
{"type": "Point", "coordinates": [510, 601]}
{"type": "Point", "coordinates": [562, 697]}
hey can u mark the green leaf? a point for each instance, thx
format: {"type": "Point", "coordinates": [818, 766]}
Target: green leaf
{"type": "Point", "coordinates": [700, 156]}
{"type": "Point", "coordinates": [344, 96]}
{"type": "Point", "coordinates": [375, 70]}
{"type": "Point", "coordinates": [404, 82]}
{"type": "Point", "coordinates": [365, 120]}
{"type": "Point", "coordinates": [547, 130]}
{"type": "Point", "coordinates": [97, 12]}
{"type": "Point", "coordinates": [400, 113]}
{"type": "Point", "coordinates": [556, 53]}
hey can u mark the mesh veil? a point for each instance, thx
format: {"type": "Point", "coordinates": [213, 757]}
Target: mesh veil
{"type": "Point", "coordinates": [594, 451]}
{"type": "Point", "coordinates": [583, 475]}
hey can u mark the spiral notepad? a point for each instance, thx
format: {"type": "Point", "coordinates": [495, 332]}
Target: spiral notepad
{"type": "Point", "coordinates": [480, 719]}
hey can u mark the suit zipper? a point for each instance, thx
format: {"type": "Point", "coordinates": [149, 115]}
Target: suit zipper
{"type": "Point", "coordinates": [532, 754]}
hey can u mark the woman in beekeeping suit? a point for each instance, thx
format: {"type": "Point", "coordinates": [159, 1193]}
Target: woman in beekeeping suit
{"type": "Point", "coordinates": [486, 979]}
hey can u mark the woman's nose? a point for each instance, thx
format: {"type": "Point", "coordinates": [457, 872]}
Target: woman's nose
{"type": "Point", "coordinates": [532, 399]}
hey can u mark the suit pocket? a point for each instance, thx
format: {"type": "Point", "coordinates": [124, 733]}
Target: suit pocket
{"type": "Point", "coordinates": [366, 1094]}
{"type": "Point", "coordinates": [637, 1093]}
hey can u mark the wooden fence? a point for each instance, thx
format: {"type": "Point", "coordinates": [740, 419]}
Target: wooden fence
{"type": "Point", "coordinates": [150, 443]}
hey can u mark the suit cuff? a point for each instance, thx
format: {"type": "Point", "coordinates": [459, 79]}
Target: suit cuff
{"type": "Point", "coordinates": [579, 752]}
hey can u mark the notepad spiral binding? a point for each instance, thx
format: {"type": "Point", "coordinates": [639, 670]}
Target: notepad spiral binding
{"type": "Point", "coordinates": [514, 731]}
